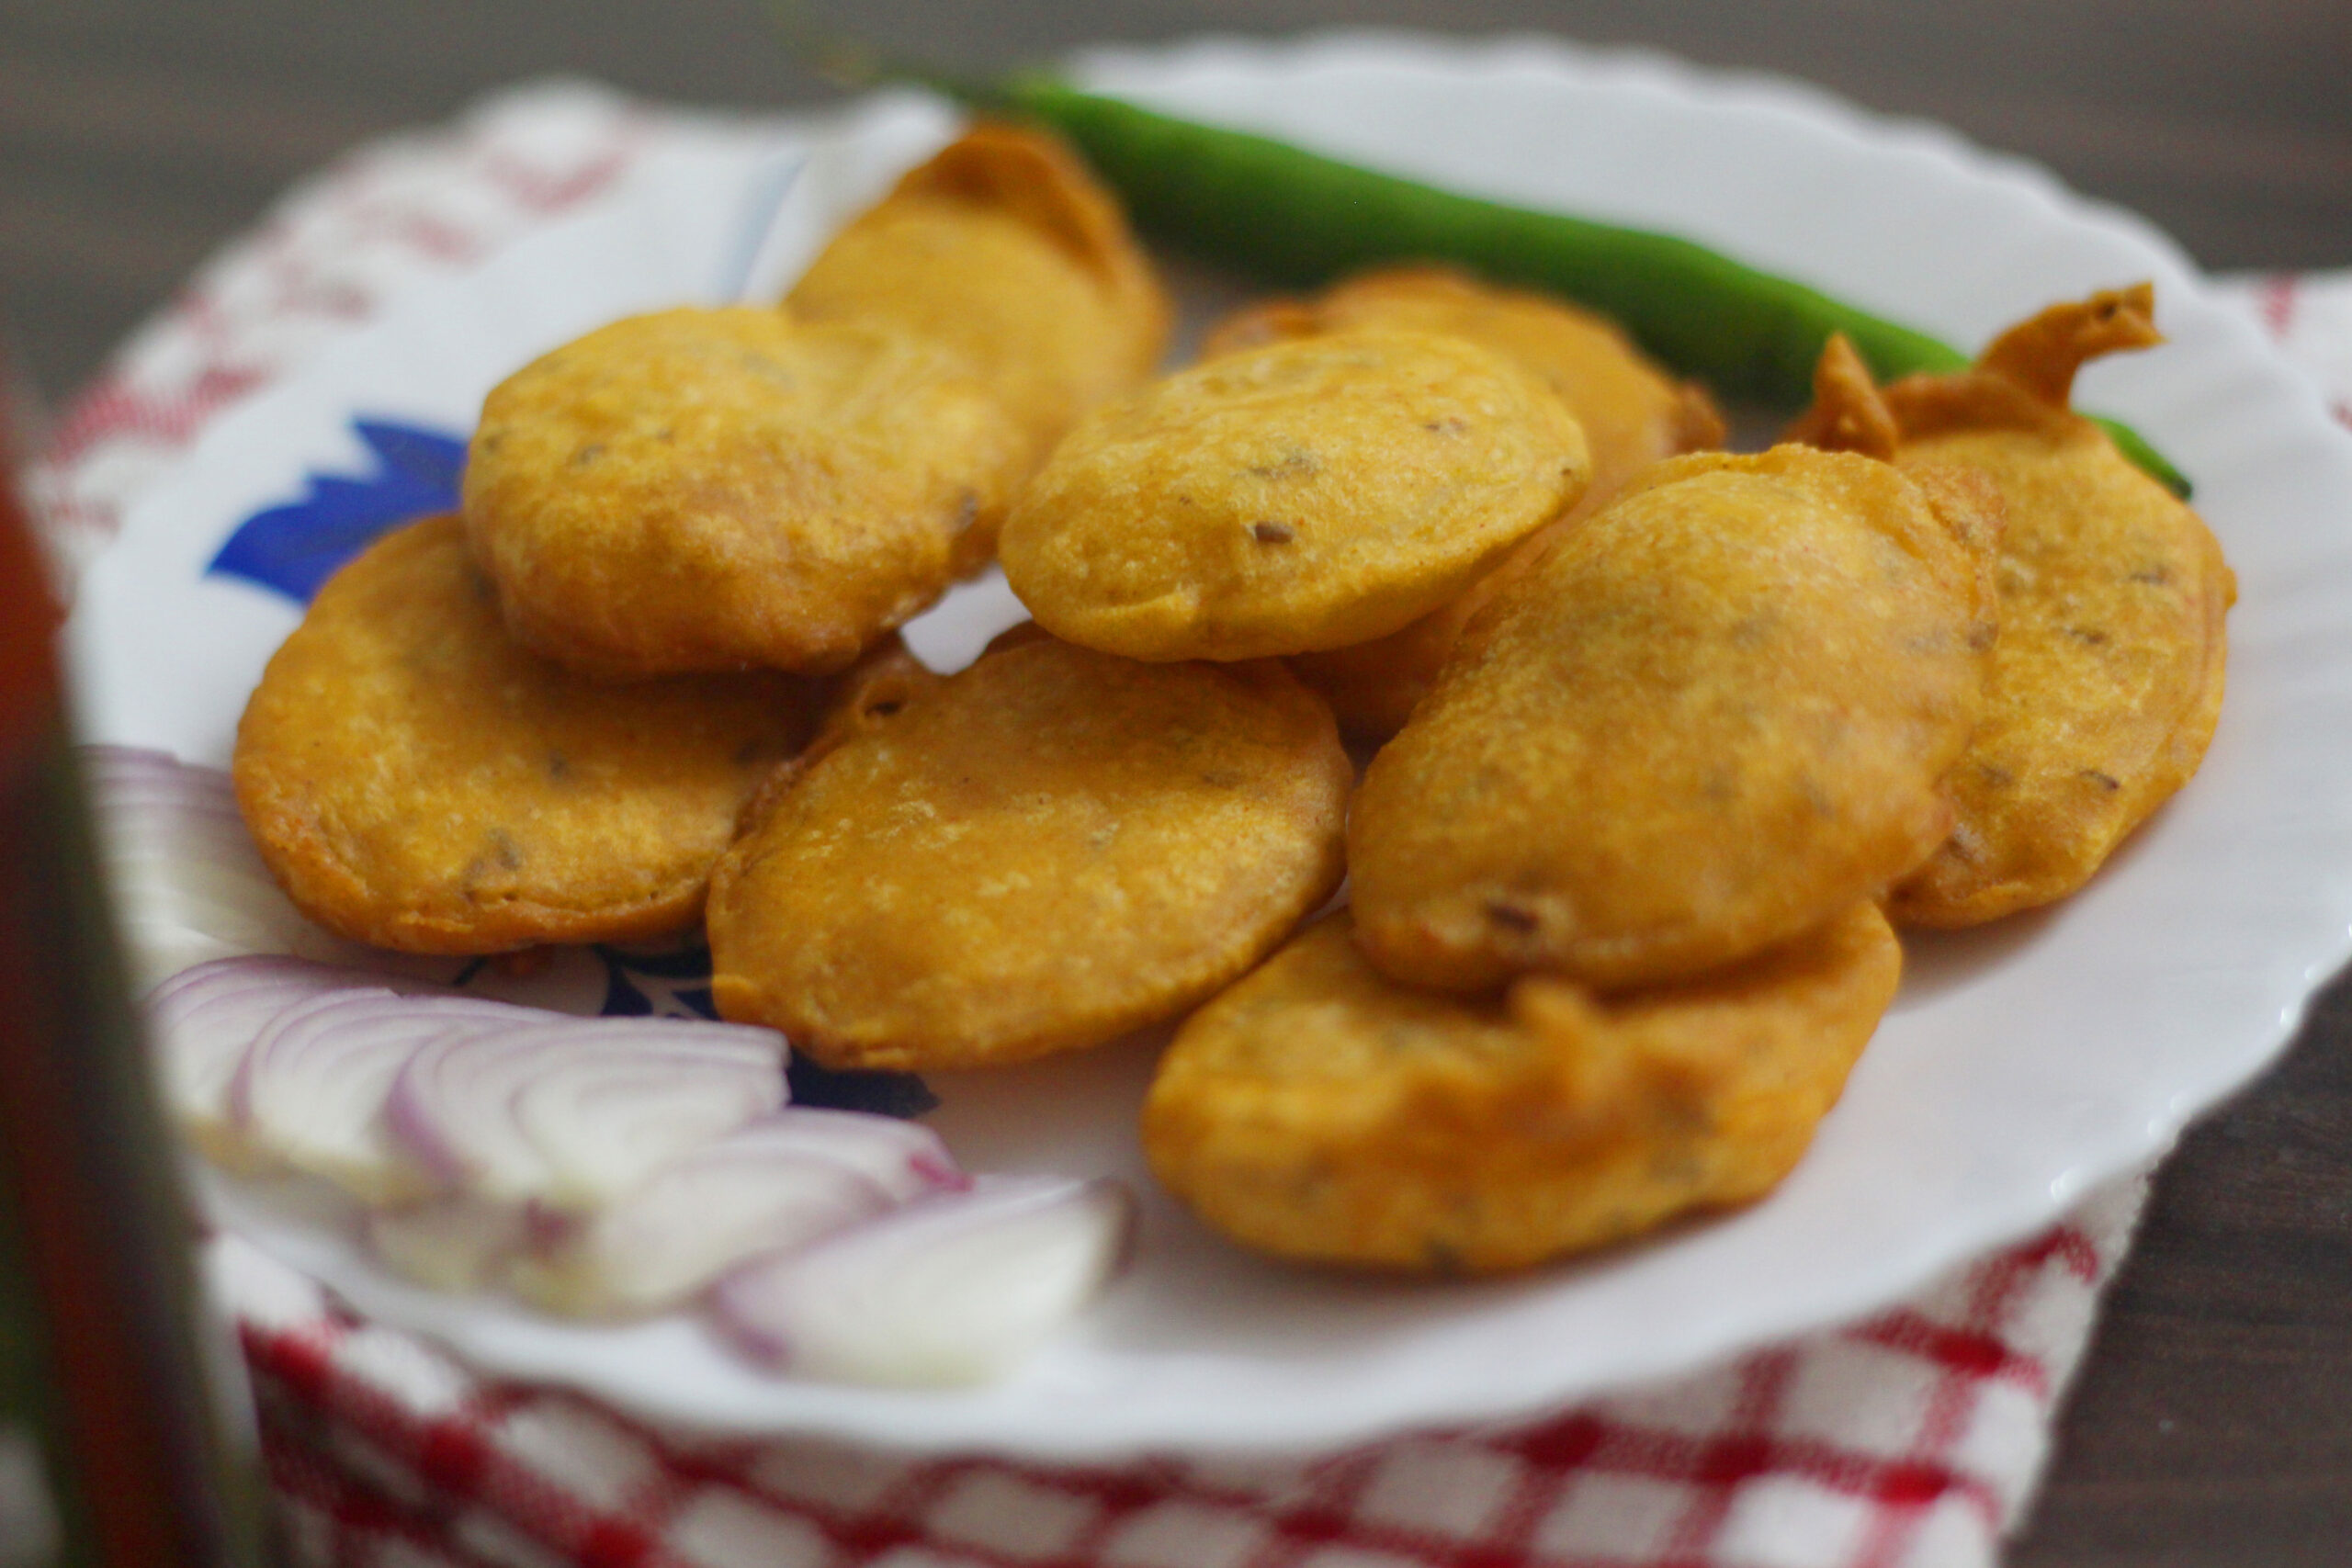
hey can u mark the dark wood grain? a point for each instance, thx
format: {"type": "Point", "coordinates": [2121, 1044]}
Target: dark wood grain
{"type": "Point", "coordinates": [136, 136]}
{"type": "Point", "coordinates": [2212, 1424]}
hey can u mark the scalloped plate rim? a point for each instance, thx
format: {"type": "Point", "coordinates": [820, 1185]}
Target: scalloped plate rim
{"type": "Point", "coordinates": [1417, 1393]}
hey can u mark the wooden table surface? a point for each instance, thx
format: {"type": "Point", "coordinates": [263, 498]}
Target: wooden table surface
{"type": "Point", "coordinates": [2212, 1424]}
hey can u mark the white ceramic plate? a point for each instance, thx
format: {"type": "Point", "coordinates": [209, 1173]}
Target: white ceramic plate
{"type": "Point", "coordinates": [2021, 1065]}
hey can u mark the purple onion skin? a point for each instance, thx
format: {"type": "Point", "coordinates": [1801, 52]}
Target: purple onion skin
{"type": "Point", "coordinates": [425, 1112]}
{"type": "Point", "coordinates": [375, 1000]}
{"type": "Point", "coordinates": [777, 1184]}
{"type": "Point", "coordinates": [304, 976]}
{"type": "Point", "coordinates": [903, 1259]}
{"type": "Point", "coordinates": [203, 1021]}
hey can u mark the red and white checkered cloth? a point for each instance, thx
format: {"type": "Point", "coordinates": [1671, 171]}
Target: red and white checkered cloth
{"type": "Point", "coordinates": [1909, 1440]}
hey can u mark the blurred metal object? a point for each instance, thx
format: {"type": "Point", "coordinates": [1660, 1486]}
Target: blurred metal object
{"type": "Point", "coordinates": [107, 1355]}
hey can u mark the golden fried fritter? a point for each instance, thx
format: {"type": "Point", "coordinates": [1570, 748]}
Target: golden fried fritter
{"type": "Point", "coordinates": [415, 780]}
{"type": "Point", "coordinates": [2107, 681]}
{"type": "Point", "coordinates": [868, 693]}
{"type": "Point", "coordinates": [1633, 415]}
{"type": "Point", "coordinates": [1005, 250]}
{"type": "Point", "coordinates": [1703, 722]}
{"type": "Point", "coordinates": [1317, 1110]}
{"type": "Point", "coordinates": [1305, 494]}
{"type": "Point", "coordinates": [1050, 848]}
{"type": "Point", "coordinates": [722, 490]}
{"type": "Point", "coordinates": [1632, 412]}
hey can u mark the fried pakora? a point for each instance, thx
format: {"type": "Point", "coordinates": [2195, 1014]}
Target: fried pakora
{"type": "Point", "coordinates": [699, 491]}
{"type": "Point", "coordinates": [1633, 415]}
{"type": "Point", "coordinates": [1632, 412]}
{"type": "Point", "coordinates": [2106, 685]}
{"type": "Point", "coordinates": [1046, 850]}
{"type": "Point", "coordinates": [1005, 250]}
{"type": "Point", "coordinates": [1702, 723]}
{"type": "Point", "coordinates": [415, 780]}
{"type": "Point", "coordinates": [1305, 494]}
{"type": "Point", "coordinates": [1318, 1110]}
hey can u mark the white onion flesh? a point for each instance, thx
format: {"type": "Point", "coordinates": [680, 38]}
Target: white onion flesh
{"type": "Point", "coordinates": [187, 880]}
{"type": "Point", "coordinates": [201, 1022]}
{"type": "Point", "coordinates": [950, 1289]}
{"type": "Point", "coordinates": [135, 773]}
{"type": "Point", "coordinates": [451, 1243]}
{"type": "Point", "coordinates": [309, 1092]}
{"type": "Point", "coordinates": [571, 1114]}
{"type": "Point", "coordinates": [170, 920]}
{"type": "Point", "coordinates": [905, 1159]}
{"type": "Point", "coordinates": [779, 1183]}
{"type": "Point", "coordinates": [607, 1167]}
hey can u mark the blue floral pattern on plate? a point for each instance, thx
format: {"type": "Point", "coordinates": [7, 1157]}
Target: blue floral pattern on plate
{"type": "Point", "coordinates": [294, 548]}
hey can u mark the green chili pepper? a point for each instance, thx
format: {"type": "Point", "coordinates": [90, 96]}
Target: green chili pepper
{"type": "Point", "coordinates": [1299, 218]}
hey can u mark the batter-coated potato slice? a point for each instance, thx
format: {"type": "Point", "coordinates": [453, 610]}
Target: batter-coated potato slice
{"type": "Point", "coordinates": [1318, 1110]}
{"type": "Point", "coordinates": [1049, 849]}
{"type": "Point", "coordinates": [1703, 722]}
{"type": "Point", "coordinates": [2107, 681]}
{"type": "Point", "coordinates": [867, 695]}
{"type": "Point", "coordinates": [723, 490]}
{"type": "Point", "coordinates": [1632, 412]}
{"type": "Point", "coordinates": [1005, 250]}
{"type": "Point", "coordinates": [1307, 493]}
{"type": "Point", "coordinates": [415, 780]}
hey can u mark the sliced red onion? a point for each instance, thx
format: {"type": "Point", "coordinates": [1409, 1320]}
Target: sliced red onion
{"type": "Point", "coordinates": [202, 1021]}
{"type": "Point", "coordinates": [170, 919]}
{"type": "Point", "coordinates": [952, 1289]}
{"type": "Point", "coordinates": [190, 883]}
{"type": "Point", "coordinates": [145, 803]}
{"type": "Point", "coordinates": [309, 1092]}
{"type": "Point", "coordinates": [906, 1158]}
{"type": "Point", "coordinates": [450, 1243]}
{"type": "Point", "coordinates": [779, 1183]}
{"type": "Point", "coordinates": [129, 769]}
{"type": "Point", "coordinates": [571, 1114]}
